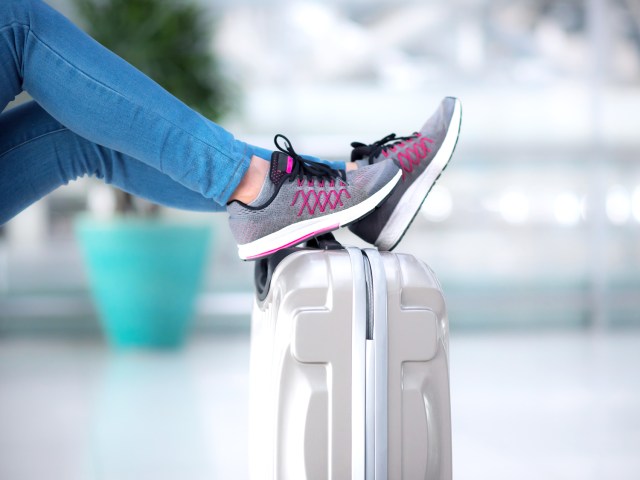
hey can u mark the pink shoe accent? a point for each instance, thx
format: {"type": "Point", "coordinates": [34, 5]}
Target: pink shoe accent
{"type": "Point", "coordinates": [295, 242]}
{"type": "Point", "coordinates": [413, 155]}
{"type": "Point", "coordinates": [289, 164]}
{"type": "Point", "coordinates": [314, 201]}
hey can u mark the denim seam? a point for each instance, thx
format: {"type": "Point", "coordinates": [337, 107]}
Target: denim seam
{"type": "Point", "coordinates": [45, 45]}
{"type": "Point", "coordinates": [235, 179]}
{"type": "Point", "coordinates": [64, 129]}
{"type": "Point", "coordinates": [123, 96]}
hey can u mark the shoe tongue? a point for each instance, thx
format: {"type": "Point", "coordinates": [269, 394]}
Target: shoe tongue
{"type": "Point", "coordinates": [281, 165]}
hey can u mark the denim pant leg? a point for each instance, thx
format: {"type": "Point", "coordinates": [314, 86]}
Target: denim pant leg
{"type": "Point", "coordinates": [38, 154]}
{"type": "Point", "coordinates": [105, 100]}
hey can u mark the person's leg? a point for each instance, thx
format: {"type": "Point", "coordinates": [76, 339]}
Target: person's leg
{"type": "Point", "coordinates": [106, 101]}
{"type": "Point", "coordinates": [38, 154]}
{"type": "Point", "coordinates": [102, 98]}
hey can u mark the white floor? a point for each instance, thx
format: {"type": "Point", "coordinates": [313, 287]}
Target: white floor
{"type": "Point", "coordinates": [552, 406]}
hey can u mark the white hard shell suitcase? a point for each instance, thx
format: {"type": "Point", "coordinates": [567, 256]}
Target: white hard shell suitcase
{"type": "Point", "coordinates": [349, 367]}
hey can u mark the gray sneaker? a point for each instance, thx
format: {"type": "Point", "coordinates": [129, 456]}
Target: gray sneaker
{"type": "Point", "coordinates": [301, 199]}
{"type": "Point", "coordinates": [422, 157]}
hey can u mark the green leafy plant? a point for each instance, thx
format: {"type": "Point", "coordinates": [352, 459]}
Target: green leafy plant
{"type": "Point", "coordinates": [170, 41]}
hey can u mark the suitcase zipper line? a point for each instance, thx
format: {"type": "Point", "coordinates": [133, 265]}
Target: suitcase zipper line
{"type": "Point", "coordinates": [368, 277]}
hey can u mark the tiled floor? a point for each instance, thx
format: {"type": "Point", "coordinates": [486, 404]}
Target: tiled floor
{"type": "Point", "coordinates": [563, 406]}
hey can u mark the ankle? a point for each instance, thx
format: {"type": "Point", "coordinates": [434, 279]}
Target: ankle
{"type": "Point", "coordinates": [251, 184]}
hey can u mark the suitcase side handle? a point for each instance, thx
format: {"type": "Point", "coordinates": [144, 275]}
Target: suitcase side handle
{"type": "Point", "coordinates": [264, 268]}
{"type": "Point", "coordinates": [326, 241]}
{"type": "Point", "coordinates": [263, 271]}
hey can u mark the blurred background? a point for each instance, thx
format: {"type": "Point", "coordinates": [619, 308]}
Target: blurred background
{"type": "Point", "coordinates": [533, 231]}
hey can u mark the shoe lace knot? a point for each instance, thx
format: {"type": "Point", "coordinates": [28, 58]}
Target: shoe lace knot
{"type": "Point", "coordinates": [382, 146]}
{"type": "Point", "coordinates": [305, 169]}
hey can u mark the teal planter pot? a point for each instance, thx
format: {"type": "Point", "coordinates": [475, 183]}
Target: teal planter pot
{"type": "Point", "coordinates": [145, 277]}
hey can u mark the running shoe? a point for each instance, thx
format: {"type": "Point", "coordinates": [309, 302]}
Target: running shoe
{"type": "Point", "coordinates": [301, 199]}
{"type": "Point", "coordinates": [422, 157]}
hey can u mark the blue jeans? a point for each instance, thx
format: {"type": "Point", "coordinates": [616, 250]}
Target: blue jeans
{"type": "Point", "coordinates": [94, 114]}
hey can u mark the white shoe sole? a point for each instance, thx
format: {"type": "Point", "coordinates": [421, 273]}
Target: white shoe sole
{"type": "Point", "coordinates": [414, 197]}
{"type": "Point", "coordinates": [299, 232]}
